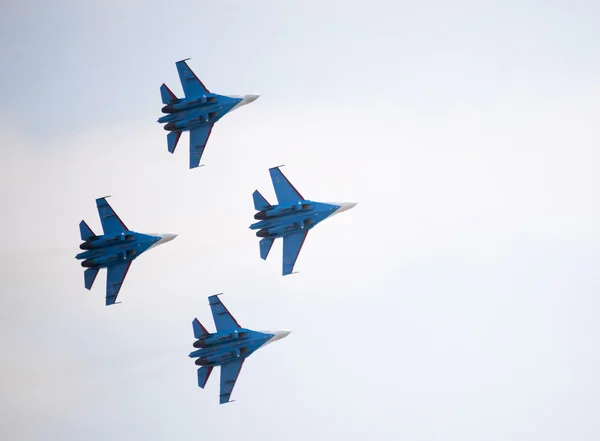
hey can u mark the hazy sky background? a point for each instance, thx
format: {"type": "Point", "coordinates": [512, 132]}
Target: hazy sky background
{"type": "Point", "coordinates": [458, 301]}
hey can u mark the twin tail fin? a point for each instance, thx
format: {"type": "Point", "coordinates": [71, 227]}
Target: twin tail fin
{"type": "Point", "coordinates": [260, 203]}
{"type": "Point", "coordinates": [199, 329]}
{"type": "Point", "coordinates": [167, 96]}
{"type": "Point", "coordinates": [89, 276]}
{"type": "Point", "coordinates": [203, 375]}
{"type": "Point", "coordinates": [85, 231]}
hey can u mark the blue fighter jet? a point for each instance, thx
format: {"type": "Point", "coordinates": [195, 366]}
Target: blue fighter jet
{"type": "Point", "coordinates": [114, 250]}
{"type": "Point", "coordinates": [196, 113]}
{"type": "Point", "coordinates": [228, 347]}
{"type": "Point", "coordinates": [291, 218]}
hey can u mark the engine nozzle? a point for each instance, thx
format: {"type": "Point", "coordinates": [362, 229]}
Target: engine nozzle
{"type": "Point", "coordinates": [261, 215]}
{"type": "Point", "coordinates": [199, 343]}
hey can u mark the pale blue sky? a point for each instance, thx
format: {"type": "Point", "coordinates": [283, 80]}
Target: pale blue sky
{"type": "Point", "coordinates": [457, 301]}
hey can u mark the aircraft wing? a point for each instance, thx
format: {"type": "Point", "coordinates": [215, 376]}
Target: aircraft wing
{"type": "Point", "coordinates": [190, 83]}
{"type": "Point", "coordinates": [111, 222]}
{"type": "Point", "coordinates": [285, 191]}
{"type": "Point", "coordinates": [114, 280]}
{"type": "Point", "coordinates": [229, 375]}
{"type": "Point", "coordinates": [224, 321]}
{"type": "Point", "coordinates": [292, 244]}
{"type": "Point", "coordinates": [198, 139]}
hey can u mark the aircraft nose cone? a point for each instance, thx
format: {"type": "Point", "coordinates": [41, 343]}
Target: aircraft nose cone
{"type": "Point", "coordinates": [278, 335]}
{"type": "Point", "coordinates": [251, 98]}
{"type": "Point", "coordinates": [246, 99]}
{"type": "Point", "coordinates": [344, 206]}
{"type": "Point", "coordinates": [164, 238]}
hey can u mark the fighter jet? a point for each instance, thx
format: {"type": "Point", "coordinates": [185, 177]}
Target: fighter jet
{"type": "Point", "coordinates": [114, 250]}
{"type": "Point", "coordinates": [291, 218]}
{"type": "Point", "coordinates": [228, 347]}
{"type": "Point", "coordinates": [196, 113]}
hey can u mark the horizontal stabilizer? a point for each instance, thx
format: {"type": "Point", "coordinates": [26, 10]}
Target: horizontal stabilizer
{"type": "Point", "coordinates": [203, 375]}
{"type": "Point", "coordinates": [260, 203]}
{"type": "Point", "coordinates": [90, 276]}
{"type": "Point", "coordinates": [85, 231]}
{"type": "Point", "coordinates": [172, 140]}
{"type": "Point", "coordinates": [265, 247]}
{"type": "Point", "coordinates": [167, 96]}
{"type": "Point", "coordinates": [199, 329]}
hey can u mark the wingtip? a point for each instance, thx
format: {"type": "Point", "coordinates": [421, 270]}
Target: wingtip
{"type": "Point", "coordinates": [213, 296]}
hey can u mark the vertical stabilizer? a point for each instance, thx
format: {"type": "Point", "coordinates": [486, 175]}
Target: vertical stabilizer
{"type": "Point", "coordinates": [89, 276]}
{"type": "Point", "coordinates": [172, 140]}
{"type": "Point", "coordinates": [265, 247]}
{"type": "Point", "coordinates": [199, 329]}
{"type": "Point", "coordinates": [260, 203]}
{"type": "Point", "coordinates": [85, 231]}
{"type": "Point", "coordinates": [167, 96]}
{"type": "Point", "coordinates": [203, 375]}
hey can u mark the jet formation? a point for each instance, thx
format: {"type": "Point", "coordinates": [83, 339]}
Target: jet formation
{"type": "Point", "coordinates": [113, 250]}
{"type": "Point", "coordinates": [196, 113]}
{"type": "Point", "coordinates": [291, 218]}
{"type": "Point", "coordinates": [228, 347]}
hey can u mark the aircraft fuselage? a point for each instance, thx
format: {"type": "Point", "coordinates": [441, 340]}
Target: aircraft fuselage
{"type": "Point", "coordinates": [281, 220]}
{"type": "Point", "coordinates": [104, 251]}
{"type": "Point", "coordinates": [189, 113]}
{"type": "Point", "coordinates": [220, 348]}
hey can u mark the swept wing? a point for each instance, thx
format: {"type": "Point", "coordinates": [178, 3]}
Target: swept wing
{"type": "Point", "coordinates": [229, 375]}
{"type": "Point", "coordinates": [224, 321]}
{"type": "Point", "coordinates": [285, 191]}
{"type": "Point", "coordinates": [114, 280]}
{"type": "Point", "coordinates": [192, 86]}
{"type": "Point", "coordinates": [111, 222]}
{"type": "Point", "coordinates": [292, 244]}
{"type": "Point", "coordinates": [198, 139]}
